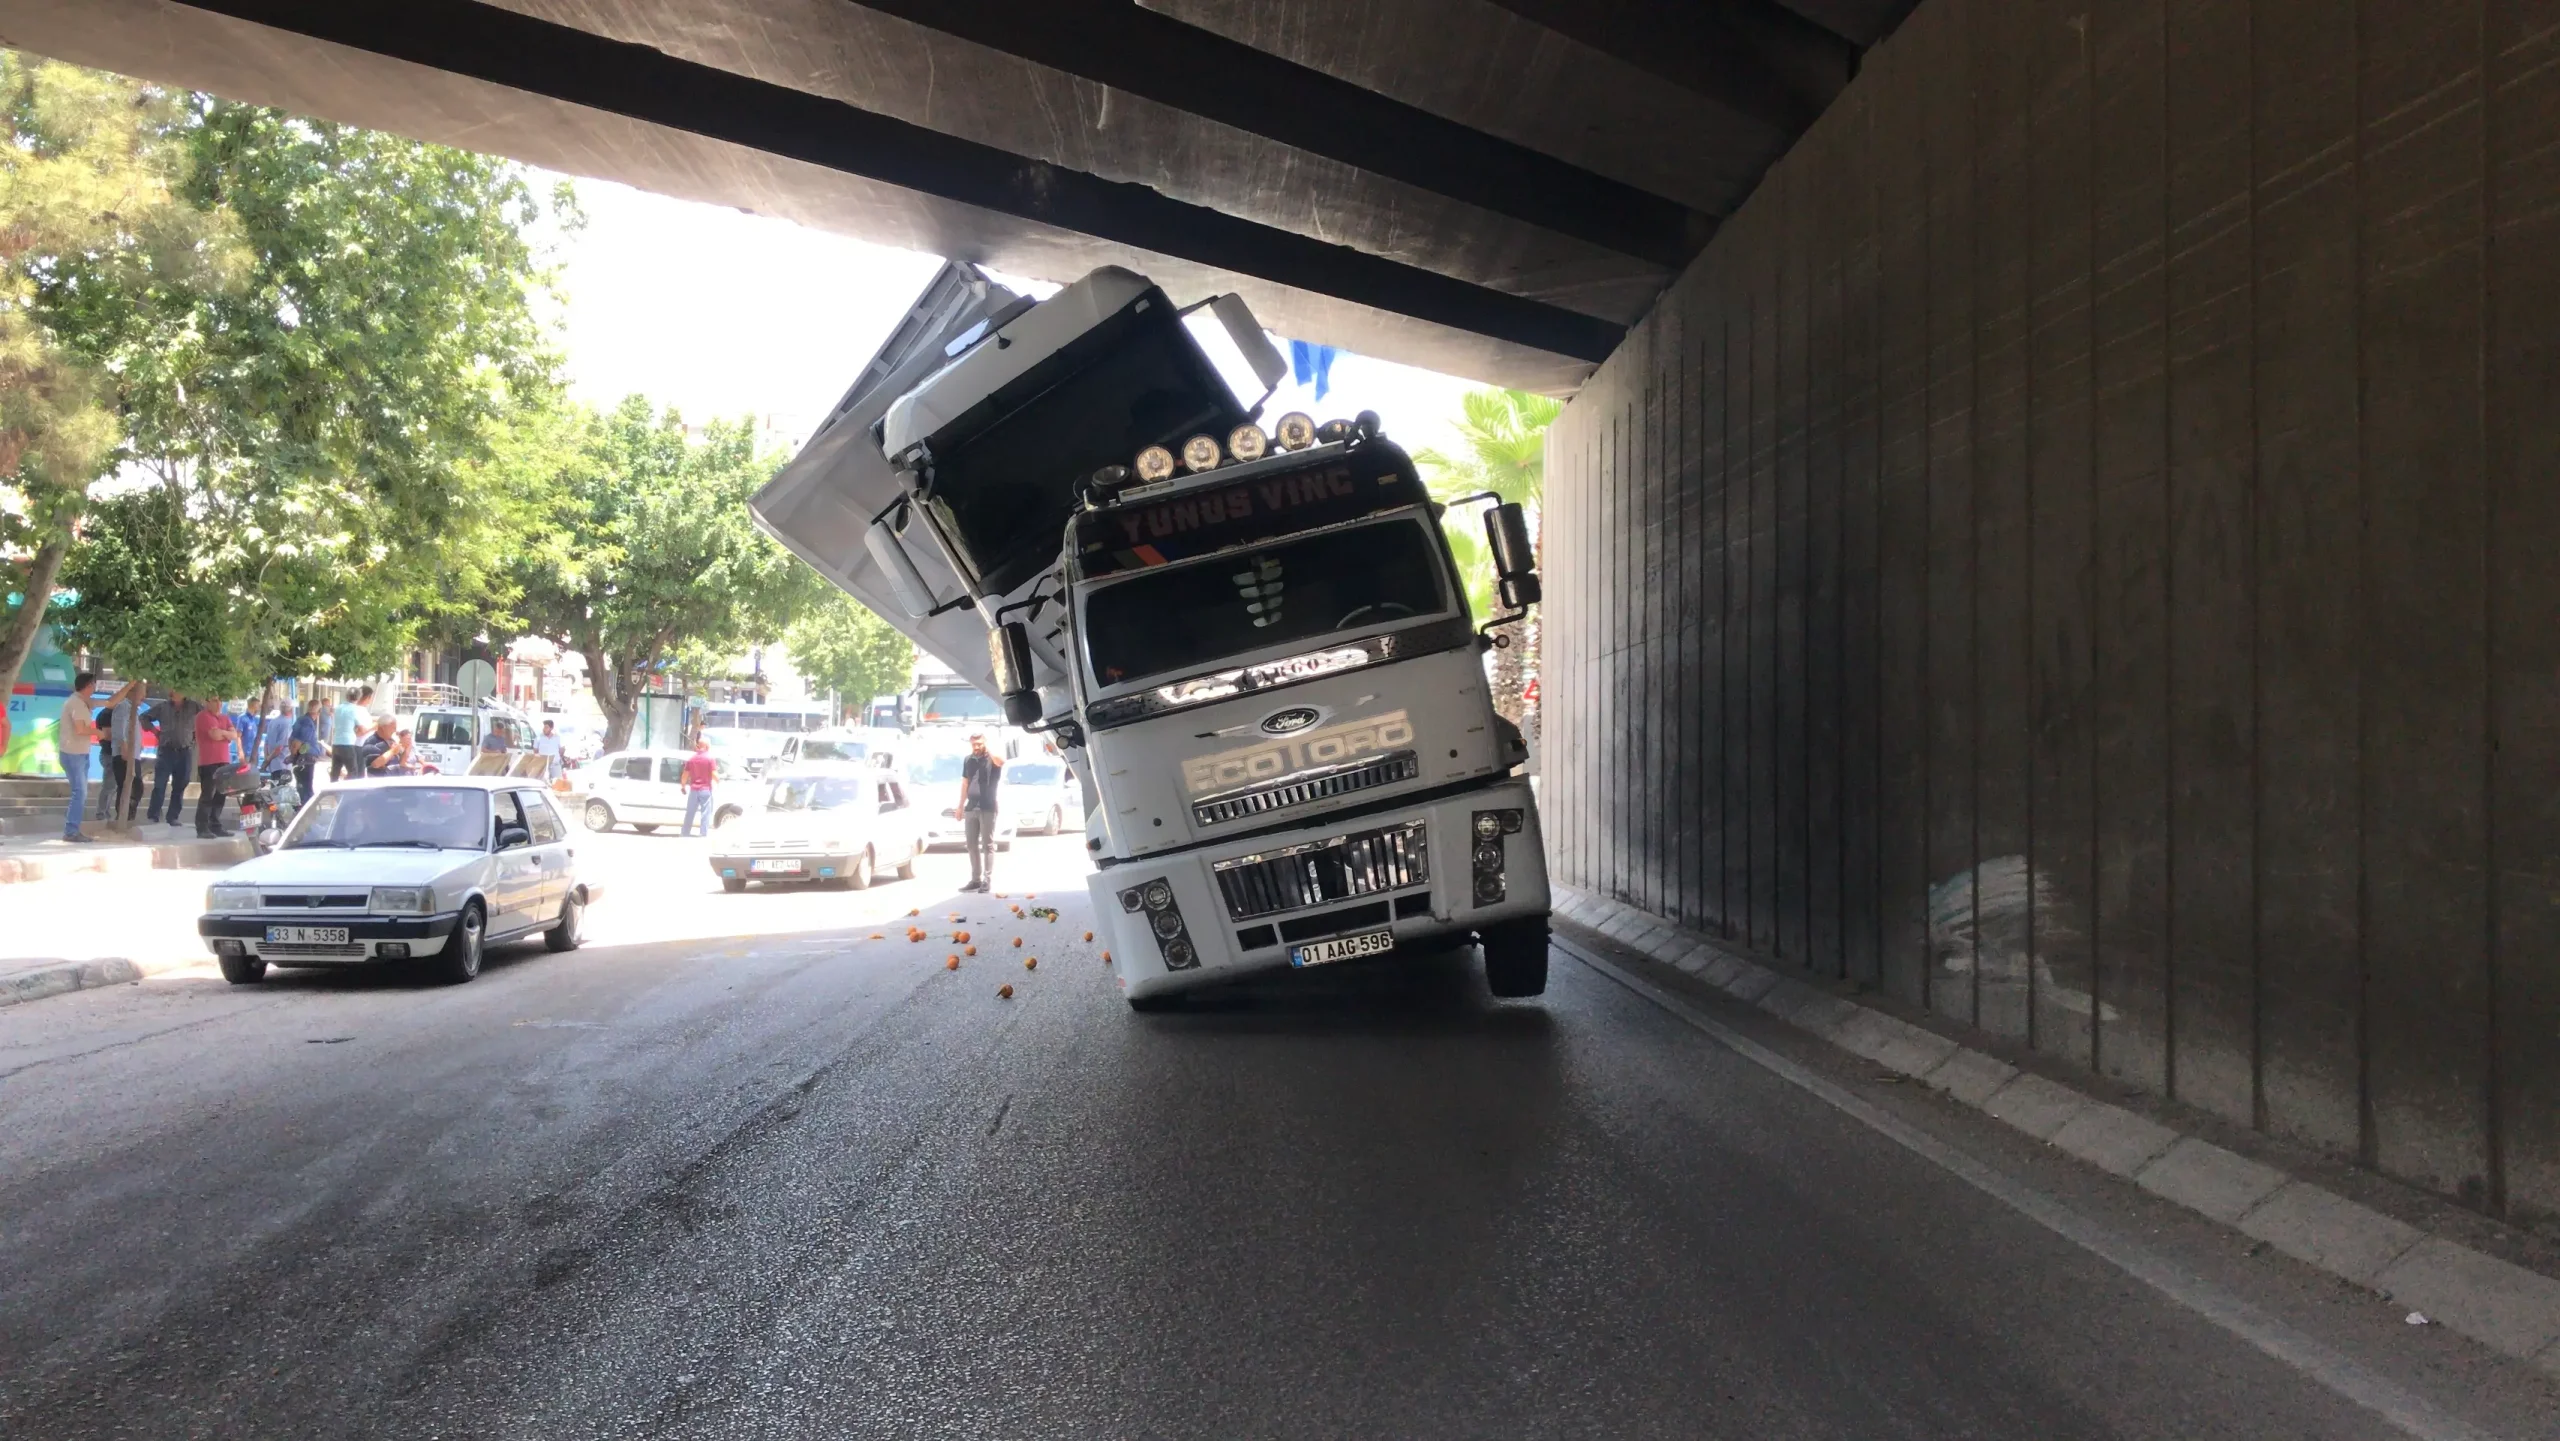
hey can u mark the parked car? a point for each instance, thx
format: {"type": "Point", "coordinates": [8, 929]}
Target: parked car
{"type": "Point", "coordinates": [838, 824]}
{"type": "Point", "coordinates": [448, 737]}
{"type": "Point", "coordinates": [425, 869]}
{"type": "Point", "coordinates": [1041, 796]}
{"type": "Point", "coordinates": [644, 789]}
{"type": "Point", "coordinates": [859, 744]}
{"type": "Point", "coordinates": [934, 778]}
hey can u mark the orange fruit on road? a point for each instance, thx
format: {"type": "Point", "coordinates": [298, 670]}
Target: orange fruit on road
{"type": "Point", "coordinates": [1004, 993]}
{"type": "Point", "coordinates": [1031, 963]}
{"type": "Point", "coordinates": [952, 964]}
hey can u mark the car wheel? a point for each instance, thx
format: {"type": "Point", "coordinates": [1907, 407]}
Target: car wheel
{"type": "Point", "coordinates": [459, 961]}
{"type": "Point", "coordinates": [646, 828]}
{"type": "Point", "coordinates": [1515, 958]}
{"type": "Point", "coordinates": [599, 817]}
{"type": "Point", "coordinates": [907, 867]}
{"type": "Point", "coordinates": [1057, 821]}
{"type": "Point", "coordinates": [243, 970]}
{"type": "Point", "coordinates": [858, 878]}
{"type": "Point", "coordinates": [726, 815]}
{"type": "Point", "coordinates": [564, 936]}
{"type": "Point", "coordinates": [732, 884]}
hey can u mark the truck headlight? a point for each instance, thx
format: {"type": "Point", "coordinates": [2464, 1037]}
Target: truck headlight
{"type": "Point", "coordinates": [1164, 917]}
{"type": "Point", "coordinates": [1247, 442]}
{"type": "Point", "coordinates": [1489, 854]}
{"type": "Point", "coordinates": [1295, 431]}
{"type": "Point", "coordinates": [1155, 463]}
{"type": "Point", "coordinates": [402, 900]}
{"type": "Point", "coordinates": [1200, 452]}
{"type": "Point", "coordinates": [231, 898]}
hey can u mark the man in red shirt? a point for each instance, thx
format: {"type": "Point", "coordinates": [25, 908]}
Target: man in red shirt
{"type": "Point", "coordinates": [214, 735]}
{"type": "Point", "coordinates": [699, 772]}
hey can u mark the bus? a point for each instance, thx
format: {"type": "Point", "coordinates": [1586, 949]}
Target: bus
{"type": "Point", "coordinates": [747, 734]}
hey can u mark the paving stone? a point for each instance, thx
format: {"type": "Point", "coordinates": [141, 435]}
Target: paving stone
{"type": "Point", "coordinates": [2036, 1106]}
{"type": "Point", "coordinates": [1895, 1045]}
{"type": "Point", "coordinates": [2323, 1229]}
{"type": "Point", "coordinates": [2114, 1139]}
{"type": "Point", "coordinates": [2204, 1177]}
{"type": "Point", "coordinates": [1693, 957]}
{"type": "Point", "coordinates": [1723, 970]}
{"type": "Point", "coordinates": [1970, 1076]}
{"type": "Point", "coordinates": [1827, 1014]}
{"type": "Point", "coordinates": [2484, 1298]}
{"type": "Point", "coordinates": [1786, 997]}
{"type": "Point", "coordinates": [1752, 983]}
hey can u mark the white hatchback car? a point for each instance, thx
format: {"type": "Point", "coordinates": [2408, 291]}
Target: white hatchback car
{"type": "Point", "coordinates": [837, 825]}
{"type": "Point", "coordinates": [431, 869]}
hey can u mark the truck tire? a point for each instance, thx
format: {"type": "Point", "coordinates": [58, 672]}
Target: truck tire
{"type": "Point", "coordinates": [1151, 1005]}
{"type": "Point", "coordinates": [1515, 958]}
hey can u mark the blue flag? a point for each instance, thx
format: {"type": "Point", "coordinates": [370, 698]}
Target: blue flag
{"type": "Point", "coordinates": [1312, 362]}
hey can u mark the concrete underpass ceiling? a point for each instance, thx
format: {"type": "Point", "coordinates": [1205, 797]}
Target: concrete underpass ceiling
{"type": "Point", "coordinates": [1491, 188]}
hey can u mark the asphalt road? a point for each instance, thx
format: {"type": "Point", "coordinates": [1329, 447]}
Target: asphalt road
{"type": "Point", "coordinates": [737, 1169]}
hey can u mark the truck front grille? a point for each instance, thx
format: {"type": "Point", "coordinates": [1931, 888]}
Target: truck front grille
{"type": "Point", "coordinates": [1386, 770]}
{"type": "Point", "coordinates": [1322, 872]}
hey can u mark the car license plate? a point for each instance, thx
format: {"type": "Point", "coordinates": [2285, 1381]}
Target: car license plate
{"type": "Point", "coordinates": [1343, 948]}
{"type": "Point", "coordinates": [788, 865]}
{"type": "Point", "coordinates": [307, 935]}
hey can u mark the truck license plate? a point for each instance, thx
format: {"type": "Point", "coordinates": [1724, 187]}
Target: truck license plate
{"type": "Point", "coordinates": [1344, 948]}
{"type": "Point", "coordinates": [307, 935]}
{"type": "Point", "coordinates": [788, 865]}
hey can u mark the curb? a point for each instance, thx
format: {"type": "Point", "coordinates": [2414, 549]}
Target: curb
{"type": "Point", "coordinates": [19, 987]}
{"type": "Point", "coordinates": [110, 859]}
{"type": "Point", "coordinates": [2502, 1306]}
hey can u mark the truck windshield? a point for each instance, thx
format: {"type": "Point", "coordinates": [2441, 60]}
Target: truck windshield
{"type": "Point", "coordinates": [1196, 617]}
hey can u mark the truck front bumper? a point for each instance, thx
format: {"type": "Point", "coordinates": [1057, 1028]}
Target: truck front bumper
{"type": "Point", "coordinates": [1203, 924]}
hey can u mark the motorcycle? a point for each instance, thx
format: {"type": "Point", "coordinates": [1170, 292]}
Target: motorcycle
{"type": "Point", "coordinates": [268, 805]}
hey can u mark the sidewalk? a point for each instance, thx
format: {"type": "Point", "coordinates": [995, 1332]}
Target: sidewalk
{"type": "Point", "coordinates": [2468, 1273]}
{"type": "Point", "coordinates": [144, 848]}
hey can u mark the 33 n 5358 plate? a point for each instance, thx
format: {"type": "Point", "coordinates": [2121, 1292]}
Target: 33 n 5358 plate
{"type": "Point", "coordinates": [1343, 948]}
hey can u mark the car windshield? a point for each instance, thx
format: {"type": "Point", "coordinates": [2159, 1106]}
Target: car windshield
{"type": "Point", "coordinates": [942, 768]}
{"type": "Point", "coordinates": [437, 817]}
{"type": "Point", "coordinates": [956, 703]}
{"type": "Point", "coordinates": [1031, 773]}
{"type": "Point", "coordinates": [1189, 618]}
{"type": "Point", "coordinates": [834, 750]}
{"type": "Point", "coordinates": [818, 793]}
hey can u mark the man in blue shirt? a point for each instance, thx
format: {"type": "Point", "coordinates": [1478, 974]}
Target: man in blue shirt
{"type": "Point", "coordinates": [346, 736]}
{"type": "Point", "coordinates": [302, 744]}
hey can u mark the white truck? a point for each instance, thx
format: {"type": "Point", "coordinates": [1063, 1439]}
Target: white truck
{"type": "Point", "coordinates": [1254, 647]}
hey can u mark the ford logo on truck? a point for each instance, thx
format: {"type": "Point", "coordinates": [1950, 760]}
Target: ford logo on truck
{"type": "Point", "coordinates": [1296, 718]}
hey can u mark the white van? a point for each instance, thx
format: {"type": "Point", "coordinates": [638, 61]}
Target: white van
{"type": "Point", "coordinates": [448, 737]}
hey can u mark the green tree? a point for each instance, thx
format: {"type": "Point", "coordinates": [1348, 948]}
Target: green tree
{"type": "Point", "coordinates": [1502, 437]}
{"type": "Point", "coordinates": [93, 218]}
{"type": "Point", "coordinates": [328, 424]}
{"type": "Point", "coordinates": [839, 644]}
{"type": "Point", "coordinates": [644, 551]}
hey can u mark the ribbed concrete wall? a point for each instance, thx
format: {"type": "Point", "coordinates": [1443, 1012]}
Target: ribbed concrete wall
{"type": "Point", "coordinates": [2082, 552]}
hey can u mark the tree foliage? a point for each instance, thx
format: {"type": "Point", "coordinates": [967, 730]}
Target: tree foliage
{"type": "Point", "coordinates": [92, 217]}
{"type": "Point", "coordinates": [838, 644]}
{"type": "Point", "coordinates": [644, 550]}
{"type": "Point", "coordinates": [1502, 448]}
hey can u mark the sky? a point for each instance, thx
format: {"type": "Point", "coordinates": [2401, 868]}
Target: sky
{"type": "Point", "coordinates": [722, 314]}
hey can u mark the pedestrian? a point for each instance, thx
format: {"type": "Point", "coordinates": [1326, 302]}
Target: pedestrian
{"type": "Point", "coordinates": [980, 776]}
{"type": "Point", "coordinates": [302, 745]}
{"type": "Point", "coordinates": [347, 738]}
{"type": "Point", "coordinates": [380, 753]}
{"type": "Point", "coordinates": [215, 735]}
{"type": "Point", "coordinates": [75, 740]}
{"type": "Point", "coordinates": [700, 771]}
{"type": "Point", "coordinates": [274, 732]}
{"type": "Point", "coordinates": [175, 718]}
{"type": "Point", "coordinates": [547, 746]}
{"type": "Point", "coordinates": [492, 759]}
{"type": "Point", "coordinates": [103, 761]}
{"type": "Point", "coordinates": [124, 733]}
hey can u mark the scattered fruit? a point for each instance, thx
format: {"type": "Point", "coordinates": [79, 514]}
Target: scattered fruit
{"type": "Point", "coordinates": [960, 936]}
{"type": "Point", "coordinates": [952, 964]}
{"type": "Point", "coordinates": [1004, 993]}
{"type": "Point", "coordinates": [968, 950]}
{"type": "Point", "coordinates": [1017, 940]}
{"type": "Point", "coordinates": [912, 912]}
{"type": "Point", "coordinates": [1106, 958]}
{"type": "Point", "coordinates": [1031, 963]}
{"type": "Point", "coordinates": [876, 936]}
{"type": "Point", "coordinates": [1088, 935]}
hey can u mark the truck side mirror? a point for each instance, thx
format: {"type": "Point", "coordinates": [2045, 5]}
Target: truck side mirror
{"type": "Point", "coordinates": [1515, 561]}
{"type": "Point", "coordinates": [1236, 319]}
{"type": "Point", "coordinates": [915, 597]}
{"type": "Point", "coordinates": [1009, 656]}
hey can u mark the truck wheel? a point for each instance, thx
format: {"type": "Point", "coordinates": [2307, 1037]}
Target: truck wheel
{"type": "Point", "coordinates": [1152, 1005]}
{"type": "Point", "coordinates": [243, 970]}
{"type": "Point", "coordinates": [1515, 958]}
{"type": "Point", "coordinates": [599, 817]}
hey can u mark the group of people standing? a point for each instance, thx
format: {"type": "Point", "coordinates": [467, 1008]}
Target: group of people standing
{"type": "Point", "coordinates": [202, 744]}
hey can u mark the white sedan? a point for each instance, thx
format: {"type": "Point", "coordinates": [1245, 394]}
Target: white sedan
{"type": "Point", "coordinates": [426, 869]}
{"type": "Point", "coordinates": [837, 824]}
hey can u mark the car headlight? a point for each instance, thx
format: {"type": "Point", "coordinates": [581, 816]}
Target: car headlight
{"type": "Point", "coordinates": [231, 898]}
{"type": "Point", "coordinates": [402, 900]}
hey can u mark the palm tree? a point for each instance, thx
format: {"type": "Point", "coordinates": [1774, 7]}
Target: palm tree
{"type": "Point", "coordinates": [1502, 448]}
